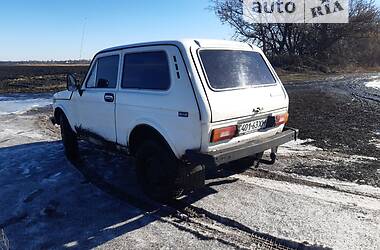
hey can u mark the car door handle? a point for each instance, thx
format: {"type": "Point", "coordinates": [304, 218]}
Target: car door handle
{"type": "Point", "coordinates": [109, 97]}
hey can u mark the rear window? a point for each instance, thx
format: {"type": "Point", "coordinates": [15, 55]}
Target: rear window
{"type": "Point", "coordinates": [235, 69]}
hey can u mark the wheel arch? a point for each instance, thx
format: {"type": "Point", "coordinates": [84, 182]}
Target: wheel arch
{"type": "Point", "coordinates": [57, 114]}
{"type": "Point", "coordinates": [145, 131]}
{"type": "Point", "coordinates": [58, 111]}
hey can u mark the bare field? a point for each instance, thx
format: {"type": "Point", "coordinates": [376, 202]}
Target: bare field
{"type": "Point", "coordinates": [37, 78]}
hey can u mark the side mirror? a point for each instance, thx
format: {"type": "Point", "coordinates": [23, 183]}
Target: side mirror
{"type": "Point", "coordinates": [71, 83]}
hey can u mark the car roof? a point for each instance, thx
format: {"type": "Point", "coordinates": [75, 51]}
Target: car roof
{"type": "Point", "coordinates": [187, 43]}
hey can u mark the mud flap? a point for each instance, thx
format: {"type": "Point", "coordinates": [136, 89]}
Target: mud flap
{"type": "Point", "coordinates": [192, 176]}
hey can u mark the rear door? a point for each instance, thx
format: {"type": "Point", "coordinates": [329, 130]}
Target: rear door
{"type": "Point", "coordinates": [155, 90]}
{"type": "Point", "coordinates": [96, 106]}
{"type": "Point", "coordinates": [240, 83]}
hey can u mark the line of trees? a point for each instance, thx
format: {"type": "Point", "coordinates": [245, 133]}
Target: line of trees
{"type": "Point", "coordinates": [357, 42]}
{"type": "Point", "coordinates": [47, 62]}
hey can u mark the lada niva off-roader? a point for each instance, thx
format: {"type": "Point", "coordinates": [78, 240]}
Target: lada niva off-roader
{"type": "Point", "coordinates": [177, 107]}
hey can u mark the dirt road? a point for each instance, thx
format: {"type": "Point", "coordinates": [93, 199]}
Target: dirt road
{"type": "Point", "coordinates": [323, 192]}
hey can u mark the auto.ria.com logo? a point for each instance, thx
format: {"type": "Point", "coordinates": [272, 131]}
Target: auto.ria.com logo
{"type": "Point", "coordinates": [295, 11]}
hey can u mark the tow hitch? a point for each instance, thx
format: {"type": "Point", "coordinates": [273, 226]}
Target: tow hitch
{"type": "Point", "coordinates": [273, 157]}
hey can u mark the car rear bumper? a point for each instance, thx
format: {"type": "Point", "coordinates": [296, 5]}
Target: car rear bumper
{"type": "Point", "coordinates": [251, 148]}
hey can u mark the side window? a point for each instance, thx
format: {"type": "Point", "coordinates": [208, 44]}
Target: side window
{"type": "Point", "coordinates": [146, 70]}
{"type": "Point", "coordinates": [104, 73]}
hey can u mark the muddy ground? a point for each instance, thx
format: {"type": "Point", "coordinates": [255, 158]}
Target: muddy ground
{"type": "Point", "coordinates": [323, 192]}
{"type": "Point", "coordinates": [341, 116]}
{"type": "Point", "coordinates": [37, 79]}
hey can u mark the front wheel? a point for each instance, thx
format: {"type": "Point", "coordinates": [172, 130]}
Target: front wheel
{"type": "Point", "coordinates": [69, 139]}
{"type": "Point", "coordinates": [157, 170]}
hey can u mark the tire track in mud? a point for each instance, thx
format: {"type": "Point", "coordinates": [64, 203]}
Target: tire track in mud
{"type": "Point", "coordinates": [203, 224]}
{"type": "Point", "coordinates": [222, 228]}
{"type": "Point", "coordinates": [358, 89]}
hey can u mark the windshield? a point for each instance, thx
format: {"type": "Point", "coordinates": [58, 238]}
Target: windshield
{"type": "Point", "coordinates": [235, 69]}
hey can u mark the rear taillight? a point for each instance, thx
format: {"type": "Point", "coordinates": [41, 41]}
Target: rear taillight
{"type": "Point", "coordinates": [282, 119]}
{"type": "Point", "coordinates": [225, 133]}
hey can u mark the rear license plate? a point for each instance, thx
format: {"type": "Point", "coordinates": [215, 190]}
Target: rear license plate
{"type": "Point", "coordinates": [251, 126]}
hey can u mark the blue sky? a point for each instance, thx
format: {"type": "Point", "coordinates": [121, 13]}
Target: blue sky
{"type": "Point", "coordinates": [52, 29]}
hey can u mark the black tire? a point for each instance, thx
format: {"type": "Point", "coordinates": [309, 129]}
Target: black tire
{"type": "Point", "coordinates": [158, 170]}
{"type": "Point", "coordinates": [69, 139]}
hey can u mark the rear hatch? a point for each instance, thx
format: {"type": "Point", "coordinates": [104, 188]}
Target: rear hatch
{"type": "Point", "coordinates": [240, 83]}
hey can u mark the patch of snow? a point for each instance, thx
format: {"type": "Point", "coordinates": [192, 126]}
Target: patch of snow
{"type": "Point", "coordinates": [339, 185]}
{"type": "Point", "coordinates": [20, 103]}
{"type": "Point", "coordinates": [303, 151]}
{"type": "Point", "coordinates": [19, 131]}
{"type": "Point", "coordinates": [52, 178]}
{"type": "Point", "coordinates": [299, 147]}
{"type": "Point", "coordinates": [71, 244]}
{"type": "Point", "coordinates": [14, 105]}
{"type": "Point", "coordinates": [338, 158]}
{"type": "Point", "coordinates": [129, 221]}
{"type": "Point", "coordinates": [374, 77]}
{"type": "Point", "coordinates": [373, 84]}
{"type": "Point", "coordinates": [376, 140]}
{"type": "Point", "coordinates": [326, 195]}
{"type": "Point", "coordinates": [339, 77]}
{"type": "Point", "coordinates": [360, 158]}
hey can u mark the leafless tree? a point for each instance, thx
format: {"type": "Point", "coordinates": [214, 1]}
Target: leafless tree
{"type": "Point", "coordinates": [313, 40]}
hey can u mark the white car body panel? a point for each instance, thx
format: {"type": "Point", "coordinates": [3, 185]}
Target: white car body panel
{"type": "Point", "coordinates": [63, 95]}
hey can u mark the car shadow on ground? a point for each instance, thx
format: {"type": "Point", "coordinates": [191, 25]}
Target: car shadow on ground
{"type": "Point", "coordinates": [46, 203]}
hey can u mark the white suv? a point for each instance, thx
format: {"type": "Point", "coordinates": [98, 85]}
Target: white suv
{"type": "Point", "coordinates": [177, 106]}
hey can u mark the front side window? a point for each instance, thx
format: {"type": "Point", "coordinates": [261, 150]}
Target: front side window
{"type": "Point", "coordinates": [104, 73]}
{"type": "Point", "coordinates": [235, 69]}
{"type": "Point", "coordinates": [146, 70]}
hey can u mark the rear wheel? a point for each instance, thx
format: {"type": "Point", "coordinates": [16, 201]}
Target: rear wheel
{"type": "Point", "coordinates": [157, 170]}
{"type": "Point", "coordinates": [69, 139]}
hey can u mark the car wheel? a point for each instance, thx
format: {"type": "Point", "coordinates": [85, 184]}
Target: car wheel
{"type": "Point", "coordinates": [157, 171]}
{"type": "Point", "coordinates": [69, 139]}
